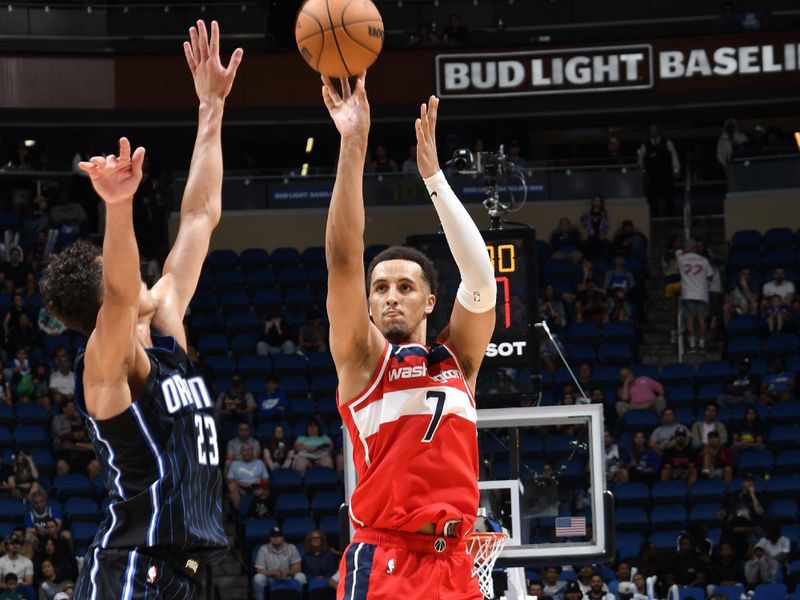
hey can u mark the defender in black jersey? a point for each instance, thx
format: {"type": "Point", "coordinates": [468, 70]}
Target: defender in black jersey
{"type": "Point", "coordinates": [148, 412]}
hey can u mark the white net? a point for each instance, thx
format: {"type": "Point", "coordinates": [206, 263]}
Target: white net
{"type": "Point", "coordinates": [485, 547]}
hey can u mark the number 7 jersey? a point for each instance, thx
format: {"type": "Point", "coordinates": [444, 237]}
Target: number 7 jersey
{"type": "Point", "coordinates": [415, 444]}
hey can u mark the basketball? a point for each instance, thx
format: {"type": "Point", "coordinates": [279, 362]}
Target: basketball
{"type": "Point", "coordinates": [339, 38]}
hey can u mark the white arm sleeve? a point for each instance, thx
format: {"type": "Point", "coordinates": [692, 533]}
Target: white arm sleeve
{"type": "Point", "coordinates": [478, 289]}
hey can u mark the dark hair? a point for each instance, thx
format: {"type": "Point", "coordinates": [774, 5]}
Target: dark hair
{"type": "Point", "coordinates": [72, 286]}
{"type": "Point", "coordinates": [710, 403]}
{"type": "Point", "coordinates": [429, 273]}
{"type": "Point", "coordinates": [10, 577]}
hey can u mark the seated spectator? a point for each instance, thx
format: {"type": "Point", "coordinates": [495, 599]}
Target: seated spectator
{"type": "Point", "coordinates": [49, 585]}
{"type": "Point", "coordinates": [629, 242]}
{"type": "Point", "coordinates": [276, 338]}
{"type": "Point", "coordinates": [778, 385]}
{"type": "Point", "coordinates": [585, 573]}
{"type": "Point", "coordinates": [312, 449]}
{"type": "Point", "coordinates": [584, 271]}
{"type": "Point", "coordinates": [38, 519]}
{"type": "Point", "coordinates": [278, 452]}
{"type": "Point", "coordinates": [261, 506]}
{"type": "Point", "coordinates": [639, 393]}
{"type": "Point", "coordinates": [597, 589]}
{"type": "Point", "coordinates": [551, 584]}
{"type": "Point", "coordinates": [742, 387]}
{"type": "Point", "coordinates": [456, 34]}
{"type": "Point", "coordinates": [775, 545]}
{"type": "Point", "coordinates": [514, 155]}
{"type": "Point", "coordinates": [622, 574]}
{"type": "Point", "coordinates": [775, 313]}
{"type": "Point", "coordinates": [551, 307]}
{"type": "Point", "coordinates": [243, 436]}
{"type": "Point", "coordinates": [24, 336]}
{"type": "Point", "coordinates": [663, 436]}
{"type": "Point", "coordinates": [619, 277]}
{"type": "Point", "coordinates": [741, 299]}
{"type": "Point", "coordinates": [236, 404]}
{"type": "Point", "coordinates": [565, 241]}
{"type": "Point", "coordinates": [640, 462]}
{"type": "Point", "coordinates": [779, 286]}
{"type": "Point", "coordinates": [10, 591]}
{"type": "Point", "coordinates": [318, 560]}
{"type": "Point", "coordinates": [67, 214]}
{"type": "Point", "coordinates": [16, 563]}
{"type": "Point", "coordinates": [271, 402]}
{"type": "Point", "coordinates": [62, 381]}
{"type": "Point", "coordinates": [6, 397]}
{"type": "Point", "coordinates": [686, 568]}
{"type": "Point", "coordinates": [725, 569]}
{"type": "Point", "coordinates": [424, 38]}
{"type": "Point", "coordinates": [619, 308]}
{"type": "Point", "coordinates": [24, 475]}
{"type": "Point", "coordinates": [716, 461]}
{"type": "Point", "coordinates": [18, 372]}
{"type": "Point", "coordinates": [535, 589]}
{"type": "Point", "coordinates": [590, 304]}
{"type": "Point", "coordinates": [749, 434]}
{"type": "Point", "coordinates": [573, 591]}
{"type": "Point", "coordinates": [383, 163]}
{"type": "Point", "coordinates": [60, 555]}
{"type": "Point", "coordinates": [15, 271]}
{"type": "Point", "coordinates": [647, 561]}
{"type": "Point", "coordinates": [276, 561]}
{"type": "Point", "coordinates": [612, 458]}
{"type": "Point", "coordinates": [630, 590]}
{"type": "Point", "coordinates": [595, 224]}
{"type": "Point", "coordinates": [701, 429]}
{"type": "Point", "coordinates": [741, 514]}
{"type": "Point", "coordinates": [761, 568]}
{"type": "Point", "coordinates": [245, 474]}
{"type": "Point", "coordinates": [26, 548]}
{"type": "Point", "coordinates": [679, 461]}
{"type": "Point", "coordinates": [73, 449]}
{"type": "Point", "coordinates": [311, 337]}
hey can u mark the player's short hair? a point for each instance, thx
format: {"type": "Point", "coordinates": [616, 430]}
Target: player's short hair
{"type": "Point", "coordinates": [429, 273]}
{"type": "Point", "coordinates": [72, 286]}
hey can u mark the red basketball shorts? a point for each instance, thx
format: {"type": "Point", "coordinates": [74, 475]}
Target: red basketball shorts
{"type": "Point", "coordinates": [393, 565]}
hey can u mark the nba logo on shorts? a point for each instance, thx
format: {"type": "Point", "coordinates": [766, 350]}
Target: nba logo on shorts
{"type": "Point", "coordinates": [390, 566]}
{"type": "Point", "coordinates": [152, 575]}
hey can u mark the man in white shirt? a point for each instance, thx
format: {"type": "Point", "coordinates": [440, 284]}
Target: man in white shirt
{"type": "Point", "coordinates": [775, 544]}
{"type": "Point", "coordinates": [245, 474]}
{"type": "Point", "coordinates": [63, 381]}
{"type": "Point", "coordinates": [663, 436]}
{"type": "Point", "coordinates": [696, 273]}
{"type": "Point", "coordinates": [14, 562]}
{"type": "Point", "coordinates": [779, 287]}
{"type": "Point", "coordinates": [276, 561]}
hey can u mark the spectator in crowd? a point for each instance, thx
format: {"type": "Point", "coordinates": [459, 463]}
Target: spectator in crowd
{"type": "Point", "coordinates": [585, 573]}
{"type": "Point", "coordinates": [725, 569]}
{"type": "Point", "coordinates": [714, 282]}
{"type": "Point", "coordinates": [741, 299]}
{"type": "Point", "coordinates": [236, 404]}
{"type": "Point", "coordinates": [246, 474]}
{"type": "Point", "coordinates": [26, 548]}
{"type": "Point", "coordinates": [312, 449]}
{"type": "Point", "coordinates": [646, 562]}
{"type": "Point", "coordinates": [629, 242]}
{"type": "Point", "coordinates": [409, 166]}
{"type": "Point", "coordinates": [276, 561]}
{"type": "Point", "coordinates": [6, 472]}
{"type": "Point", "coordinates": [663, 437]}
{"type": "Point", "coordinates": [276, 338]}
{"type": "Point", "coordinates": [68, 215]}
{"type": "Point", "coordinates": [573, 591]}
{"type": "Point", "coordinates": [261, 506]}
{"type": "Point", "coordinates": [24, 336]}
{"type": "Point", "coordinates": [243, 436]}
{"type": "Point", "coordinates": [16, 563]}
{"type": "Point", "coordinates": [278, 452]}
{"type": "Point", "coordinates": [60, 555]}
{"type": "Point", "coordinates": [455, 33]}
{"type": "Point", "coordinates": [597, 589]}
{"type": "Point", "coordinates": [627, 590]}
{"type": "Point", "coordinates": [612, 458]}
{"type": "Point", "coordinates": [39, 515]}
{"type": "Point", "coordinates": [312, 336]}
{"type": "Point", "coordinates": [731, 143]}
{"type": "Point", "coordinates": [619, 277]}
{"type": "Point", "coordinates": [15, 272]}
{"type": "Point", "coordinates": [62, 380]}
{"type": "Point", "coordinates": [761, 568]}
{"type": "Point", "coordinates": [6, 397]}
{"type": "Point", "coordinates": [10, 591]}
{"type": "Point", "coordinates": [49, 585]}
{"type": "Point", "coordinates": [622, 573]}
{"type": "Point", "coordinates": [24, 474]}
{"type": "Point", "coordinates": [639, 393]}
{"type": "Point", "coordinates": [619, 307]}
{"type": "Point", "coordinates": [535, 589]}
{"type": "Point", "coordinates": [515, 155]}
{"type": "Point", "coordinates": [696, 273]}
{"type": "Point", "coordinates": [741, 514]}
{"type": "Point", "coordinates": [659, 160]}
{"type": "Point", "coordinates": [775, 313]}
{"type": "Point", "coordinates": [716, 461]}
{"type": "Point", "coordinates": [701, 429]}
{"type": "Point", "coordinates": [749, 434]}
{"type": "Point", "coordinates": [679, 461]}
{"type": "Point", "coordinates": [13, 315]}
{"type": "Point", "coordinates": [18, 370]}
{"type": "Point", "coordinates": [551, 584]}
{"type": "Point", "coordinates": [640, 462]}
{"type": "Point", "coordinates": [551, 307]}
{"type": "Point", "coordinates": [318, 560]}
{"type": "Point", "coordinates": [591, 304]}
{"type": "Point", "coordinates": [775, 545]}
{"type": "Point", "coordinates": [595, 225]}
{"type": "Point", "coordinates": [565, 242]}
{"type": "Point", "coordinates": [779, 286]}
{"type": "Point", "coordinates": [742, 387]}
{"type": "Point", "coordinates": [383, 163]}
{"type": "Point", "coordinates": [778, 385]}
{"type": "Point", "coordinates": [272, 403]}
{"type": "Point", "coordinates": [686, 568]}
{"type": "Point", "coordinates": [728, 21]}
{"type": "Point", "coordinates": [73, 448]}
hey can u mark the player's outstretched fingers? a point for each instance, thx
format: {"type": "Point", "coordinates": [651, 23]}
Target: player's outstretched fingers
{"type": "Point", "coordinates": [137, 160]}
{"type": "Point", "coordinates": [195, 43]}
{"type": "Point", "coordinates": [124, 149]}
{"type": "Point", "coordinates": [345, 83]}
{"type": "Point", "coordinates": [332, 92]}
{"type": "Point", "coordinates": [423, 115]}
{"type": "Point", "coordinates": [214, 46]}
{"type": "Point", "coordinates": [187, 50]}
{"type": "Point", "coordinates": [87, 167]}
{"type": "Point", "coordinates": [236, 60]}
{"type": "Point", "coordinates": [202, 39]}
{"type": "Point", "coordinates": [98, 161]}
{"type": "Point", "coordinates": [434, 114]}
{"type": "Point", "coordinates": [420, 132]}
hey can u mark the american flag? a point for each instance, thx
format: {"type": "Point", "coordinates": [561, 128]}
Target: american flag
{"type": "Point", "coordinates": [570, 526]}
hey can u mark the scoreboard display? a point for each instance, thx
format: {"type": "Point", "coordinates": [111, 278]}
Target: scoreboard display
{"type": "Point", "coordinates": [512, 253]}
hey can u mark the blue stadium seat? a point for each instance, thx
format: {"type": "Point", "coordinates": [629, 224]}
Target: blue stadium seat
{"type": "Point", "coordinates": [205, 323]}
{"type": "Point", "coordinates": [229, 280]}
{"type": "Point", "coordinates": [44, 460]}
{"type": "Point", "coordinates": [292, 277]}
{"type": "Point", "coordinates": [320, 362]}
{"type": "Point", "coordinates": [255, 366]}
{"type": "Point", "coordinates": [558, 269]}
{"type": "Point", "coordinates": [291, 504]}
{"type": "Point", "coordinates": [680, 396]}
{"type": "Point", "coordinates": [31, 436]}
{"type": "Point", "coordinates": [204, 302]}
{"type": "Point", "coordinates": [313, 256]}
{"type": "Point", "coordinates": [205, 282]}
{"type": "Point", "coordinates": [669, 492]}
{"type": "Point", "coordinates": [83, 532]}
{"type": "Point", "coordinates": [617, 355]}
{"type": "Point", "coordinates": [717, 371]}
{"type": "Point", "coordinates": [783, 436]}
{"type": "Point", "coordinates": [778, 237]}
{"type": "Point", "coordinates": [266, 300]}
{"type": "Point", "coordinates": [770, 591]}
{"type": "Point", "coordinates": [330, 527]}
{"type": "Point", "coordinates": [783, 345]}
{"type": "Point", "coordinates": [709, 392]}
{"type": "Point", "coordinates": [787, 461]}
{"type": "Point", "coordinates": [326, 503]}
{"type": "Point", "coordinates": [302, 408]}
{"type": "Point", "coordinates": [33, 414]}
{"type": "Point", "coordinates": [583, 333]}
{"type": "Point", "coordinates": [260, 279]}
{"type": "Point", "coordinates": [579, 353]}
{"type": "Point", "coordinates": [319, 479]}
{"type": "Point", "coordinates": [605, 377]}
{"type": "Point", "coordinates": [254, 258]}
{"type": "Point", "coordinates": [295, 387]}
{"type": "Point", "coordinates": [650, 371]}
{"type": "Point", "coordinates": [318, 587]}
{"type": "Point", "coordinates": [324, 385]}
{"type": "Point", "coordinates": [704, 513]}
{"type": "Point", "coordinates": [72, 484]}
{"type": "Point", "coordinates": [775, 258]}
{"type": "Point", "coordinates": [244, 343]}
{"type": "Point", "coordinates": [558, 445]}
{"type": "Point", "coordinates": [623, 332]}
{"type": "Point", "coordinates": [318, 281]}
{"type": "Point", "coordinates": [706, 490]}
{"type": "Point", "coordinates": [242, 322]}
{"type": "Point", "coordinates": [628, 544]}
{"type": "Point", "coordinates": [748, 346]}
{"type": "Point", "coordinates": [635, 420]}
{"type": "Point", "coordinates": [677, 374]}
{"type": "Point", "coordinates": [743, 325]}
{"type": "Point", "coordinates": [12, 511]}
{"type": "Point", "coordinates": [665, 540]}
{"type": "Point", "coordinates": [256, 531]}
{"type": "Point", "coordinates": [222, 259]}
{"type": "Point", "coordinates": [296, 528]}
{"type": "Point", "coordinates": [288, 589]}
{"type": "Point", "coordinates": [746, 239]}
{"type": "Point", "coordinates": [693, 593]}
{"type": "Point", "coordinates": [756, 461]}
{"type": "Point", "coordinates": [634, 493]}
{"type": "Point", "coordinates": [289, 364]}
{"type": "Point", "coordinates": [531, 446]}
{"type": "Point", "coordinates": [782, 510]}
{"type": "Point", "coordinates": [82, 509]}
{"type": "Point", "coordinates": [234, 301]}
{"type": "Point", "coordinates": [7, 418]}
{"type": "Point", "coordinates": [750, 259]}
{"type": "Point", "coordinates": [684, 415]}
{"type": "Point", "coordinates": [327, 408]}
{"type": "Point", "coordinates": [731, 592]}
{"type": "Point", "coordinates": [631, 517]}
{"type": "Point", "coordinates": [221, 366]}
{"type": "Point", "coordinates": [285, 257]}
{"type": "Point", "coordinates": [787, 486]}
{"type": "Point", "coordinates": [285, 480]}
{"type": "Point", "coordinates": [213, 344]}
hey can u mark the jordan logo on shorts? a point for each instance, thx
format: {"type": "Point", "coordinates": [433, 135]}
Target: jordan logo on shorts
{"type": "Point", "coordinates": [439, 545]}
{"type": "Point", "coordinates": [390, 566]}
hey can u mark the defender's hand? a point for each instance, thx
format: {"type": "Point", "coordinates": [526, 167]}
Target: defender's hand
{"type": "Point", "coordinates": [212, 81]}
{"type": "Point", "coordinates": [350, 110]}
{"type": "Point", "coordinates": [427, 158]}
{"type": "Point", "coordinates": [115, 179]}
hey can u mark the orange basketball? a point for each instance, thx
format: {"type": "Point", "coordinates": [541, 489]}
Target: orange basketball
{"type": "Point", "coordinates": [339, 38]}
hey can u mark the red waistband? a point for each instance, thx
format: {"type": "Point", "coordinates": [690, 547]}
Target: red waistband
{"type": "Point", "coordinates": [416, 542]}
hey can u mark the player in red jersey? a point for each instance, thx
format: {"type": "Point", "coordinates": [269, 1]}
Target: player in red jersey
{"type": "Point", "coordinates": [408, 407]}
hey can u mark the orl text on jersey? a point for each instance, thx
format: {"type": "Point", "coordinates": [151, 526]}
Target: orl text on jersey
{"type": "Point", "coordinates": [180, 393]}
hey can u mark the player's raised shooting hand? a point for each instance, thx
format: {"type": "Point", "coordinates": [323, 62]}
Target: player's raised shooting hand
{"type": "Point", "coordinates": [115, 178]}
{"type": "Point", "coordinates": [425, 126]}
{"type": "Point", "coordinates": [212, 81]}
{"type": "Point", "coordinates": [350, 109]}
